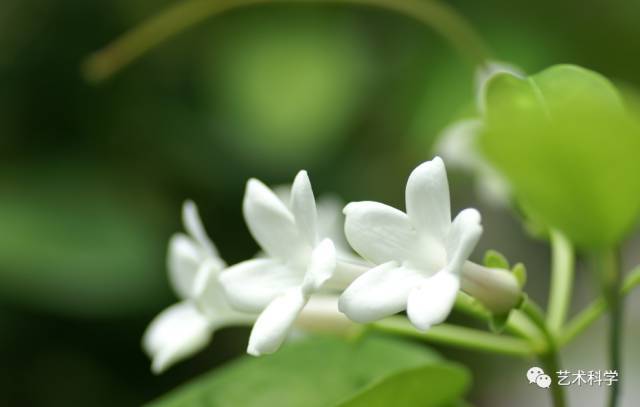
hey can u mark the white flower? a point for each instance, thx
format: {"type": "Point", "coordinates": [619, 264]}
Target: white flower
{"type": "Point", "coordinates": [420, 254]}
{"type": "Point", "coordinates": [457, 142]}
{"type": "Point", "coordinates": [297, 262]}
{"type": "Point", "coordinates": [186, 327]}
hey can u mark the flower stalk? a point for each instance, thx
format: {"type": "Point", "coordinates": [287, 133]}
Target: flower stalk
{"type": "Point", "coordinates": [562, 271]}
{"type": "Point", "coordinates": [549, 358]}
{"type": "Point", "coordinates": [457, 336]}
{"type": "Point", "coordinates": [607, 266]}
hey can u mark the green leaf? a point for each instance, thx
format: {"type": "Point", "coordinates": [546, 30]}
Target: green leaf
{"type": "Point", "coordinates": [568, 146]}
{"type": "Point", "coordinates": [433, 385]}
{"type": "Point", "coordinates": [495, 259]}
{"type": "Point", "coordinates": [319, 371]}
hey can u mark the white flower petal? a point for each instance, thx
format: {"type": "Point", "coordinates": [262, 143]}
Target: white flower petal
{"type": "Point", "coordinates": [321, 267]}
{"type": "Point", "coordinates": [380, 233]}
{"type": "Point", "coordinates": [463, 236]}
{"type": "Point", "coordinates": [431, 302]}
{"type": "Point", "coordinates": [380, 292]}
{"type": "Point", "coordinates": [427, 198]}
{"type": "Point", "coordinates": [347, 270]}
{"type": "Point", "coordinates": [175, 334]}
{"type": "Point", "coordinates": [251, 285]}
{"type": "Point", "coordinates": [183, 260]}
{"type": "Point", "coordinates": [273, 325]}
{"type": "Point", "coordinates": [270, 222]}
{"type": "Point", "coordinates": [303, 206]}
{"type": "Point", "coordinates": [193, 225]}
{"type": "Point", "coordinates": [212, 301]}
{"type": "Point", "coordinates": [321, 315]}
{"type": "Point", "coordinates": [331, 221]}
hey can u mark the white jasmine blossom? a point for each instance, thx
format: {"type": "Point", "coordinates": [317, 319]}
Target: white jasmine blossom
{"type": "Point", "coordinates": [186, 327]}
{"type": "Point", "coordinates": [297, 264]}
{"type": "Point", "coordinates": [420, 254]}
{"type": "Point", "coordinates": [457, 142]}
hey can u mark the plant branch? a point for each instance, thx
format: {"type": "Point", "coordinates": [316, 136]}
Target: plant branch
{"type": "Point", "coordinates": [457, 336]}
{"type": "Point", "coordinates": [607, 267]}
{"type": "Point", "coordinates": [550, 357]}
{"type": "Point", "coordinates": [593, 311]}
{"type": "Point", "coordinates": [185, 14]}
{"type": "Point", "coordinates": [562, 271]}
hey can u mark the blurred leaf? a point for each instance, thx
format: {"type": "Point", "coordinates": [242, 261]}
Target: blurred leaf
{"type": "Point", "coordinates": [569, 148]}
{"type": "Point", "coordinates": [286, 87]}
{"type": "Point", "coordinates": [427, 386]}
{"type": "Point", "coordinates": [78, 242]}
{"type": "Point", "coordinates": [320, 371]}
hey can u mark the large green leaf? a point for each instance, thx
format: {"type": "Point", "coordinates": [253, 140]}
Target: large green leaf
{"type": "Point", "coordinates": [570, 150]}
{"type": "Point", "coordinates": [427, 386]}
{"type": "Point", "coordinates": [320, 371]}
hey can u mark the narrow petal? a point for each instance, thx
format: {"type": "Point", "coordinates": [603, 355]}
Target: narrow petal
{"type": "Point", "coordinates": [303, 206]}
{"type": "Point", "coordinates": [251, 285]}
{"type": "Point", "coordinates": [183, 260]}
{"type": "Point", "coordinates": [463, 236]}
{"type": "Point", "coordinates": [380, 292]}
{"type": "Point", "coordinates": [427, 197]}
{"type": "Point", "coordinates": [193, 225]}
{"type": "Point", "coordinates": [270, 222]}
{"type": "Point", "coordinates": [321, 267]}
{"type": "Point", "coordinates": [380, 233]}
{"type": "Point", "coordinates": [273, 325]}
{"type": "Point", "coordinates": [211, 300]}
{"type": "Point", "coordinates": [175, 334]}
{"type": "Point", "coordinates": [431, 302]}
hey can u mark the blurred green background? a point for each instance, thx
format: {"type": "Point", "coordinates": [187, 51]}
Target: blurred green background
{"type": "Point", "coordinates": [92, 177]}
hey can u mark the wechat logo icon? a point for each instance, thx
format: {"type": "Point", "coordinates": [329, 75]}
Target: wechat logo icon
{"type": "Point", "coordinates": [536, 375]}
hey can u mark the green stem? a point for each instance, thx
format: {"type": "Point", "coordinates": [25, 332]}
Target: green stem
{"type": "Point", "coordinates": [562, 270]}
{"type": "Point", "coordinates": [549, 358]}
{"type": "Point", "coordinates": [607, 266]}
{"type": "Point", "coordinates": [517, 324]}
{"type": "Point", "coordinates": [593, 311]}
{"type": "Point", "coordinates": [457, 336]}
{"type": "Point", "coordinates": [185, 14]}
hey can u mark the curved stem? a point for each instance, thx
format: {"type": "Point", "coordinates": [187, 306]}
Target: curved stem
{"type": "Point", "coordinates": [550, 358]}
{"type": "Point", "coordinates": [457, 336]}
{"type": "Point", "coordinates": [593, 311]}
{"type": "Point", "coordinates": [607, 266]}
{"type": "Point", "coordinates": [177, 18]}
{"type": "Point", "coordinates": [562, 270]}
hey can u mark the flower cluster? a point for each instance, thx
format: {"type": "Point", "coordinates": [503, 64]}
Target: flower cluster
{"type": "Point", "coordinates": [306, 276]}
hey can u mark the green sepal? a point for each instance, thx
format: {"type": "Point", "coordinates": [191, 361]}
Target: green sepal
{"type": "Point", "coordinates": [495, 259]}
{"type": "Point", "coordinates": [519, 271]}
